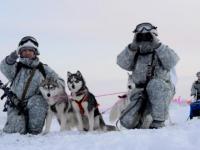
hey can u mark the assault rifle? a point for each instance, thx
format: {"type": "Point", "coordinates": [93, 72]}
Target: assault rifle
{"type": "Point", "coordinates": [12, 99]}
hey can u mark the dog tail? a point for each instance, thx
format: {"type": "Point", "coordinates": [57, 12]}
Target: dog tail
{"type": "Point", "coordinates": [110, 128]}
{"type": "Point", "coordinates": [106, 127]}
{"type": "Point", "coordinates": [114, 113]}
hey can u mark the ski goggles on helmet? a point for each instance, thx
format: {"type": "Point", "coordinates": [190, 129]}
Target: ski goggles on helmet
{"type": "Point", "coordinates": [144, 26]}
{"type": "Point", "coordinates": [28, 38]}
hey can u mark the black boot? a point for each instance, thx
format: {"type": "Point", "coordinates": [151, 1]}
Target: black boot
{"type": "Point", "coordinates": [156, 124]}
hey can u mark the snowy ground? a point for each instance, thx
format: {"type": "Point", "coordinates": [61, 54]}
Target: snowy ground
{"type": "Point", "coordinates": [184, 135]}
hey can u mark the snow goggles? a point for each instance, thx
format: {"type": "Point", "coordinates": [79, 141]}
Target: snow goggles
{"type": "Point", "coordinates": [144, 26]}
{"type": "Point", "coordinates": [28, 38]}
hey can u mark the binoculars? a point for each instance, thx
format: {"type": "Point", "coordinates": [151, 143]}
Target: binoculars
{"type": "Point", "coordinates": [144, 37]}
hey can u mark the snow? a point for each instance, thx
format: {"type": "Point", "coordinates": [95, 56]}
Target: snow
{"type": "Point", "coordinates": [182, 135]}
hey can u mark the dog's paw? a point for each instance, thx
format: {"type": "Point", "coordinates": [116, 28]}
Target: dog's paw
{"type": "Point", "coordinates": [45, 132]}
{"type": "Point", "coordinates": [62, 129]}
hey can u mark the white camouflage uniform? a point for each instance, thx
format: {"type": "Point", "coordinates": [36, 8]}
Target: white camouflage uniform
{"type": "Point", "coordinates": [160, 89]}
{"type": "Point", "coordinates": [37, 105]}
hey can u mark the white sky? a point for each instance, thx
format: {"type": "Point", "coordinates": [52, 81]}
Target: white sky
{"type": "Point", "coordinates": [87, 35]}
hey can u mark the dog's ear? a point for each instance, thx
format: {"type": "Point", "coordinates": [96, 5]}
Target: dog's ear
{"type": "Point", "coordinates": [69, 74]}
{"type": "Point", "coordinates": [79, 73]}
{"type": "Point", "coordinates": [55, 80]}
{"type": "Point", "coordinates": [41, 83]}
{"type": "Point", "coordinates": [129, 75]}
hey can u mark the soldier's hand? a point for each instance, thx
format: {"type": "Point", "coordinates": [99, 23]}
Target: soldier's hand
{"type": "Point", "coordinates": [15, 53]}
{"type": "Point", "coordinates": [156, 42]}
{"type": "Point", "coordinates": [22, 105]}
{"type": "Point", "coordinates": [11, 59]}
{"type": "Point", "coordinates": [133, 46]}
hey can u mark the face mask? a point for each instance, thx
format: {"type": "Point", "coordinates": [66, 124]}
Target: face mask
{"type": "Point", "coordinates": [30, 62]}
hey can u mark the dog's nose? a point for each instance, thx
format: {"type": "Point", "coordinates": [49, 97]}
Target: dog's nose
{"type": "Point", "coordinates": [48, 94]}
{"type": "Point", "coordinates": [73, 86]}
{"type": "Point", "coordinates": [129, 87]}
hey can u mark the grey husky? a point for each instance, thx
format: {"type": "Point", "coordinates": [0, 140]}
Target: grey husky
{"type": "Point", "coordinates": [58, 104]}
{"type": "Point", "coordinates": [124, 102]}
{"type": "Point", "coordinates": [85, 105]}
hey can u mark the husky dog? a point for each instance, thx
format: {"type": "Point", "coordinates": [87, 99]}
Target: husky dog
{"type": "Point", "coordinates": [124, 101]}
{"type": "Point", "coordinates": [85, 105]}
{"type": "Point", "coordinates": [58, 104]}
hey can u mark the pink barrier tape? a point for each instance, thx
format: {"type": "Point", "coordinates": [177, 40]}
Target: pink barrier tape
{"type": "Point", "coordinates": [182, 101]}
{"type": "Point", "coordinates": [178, 100]}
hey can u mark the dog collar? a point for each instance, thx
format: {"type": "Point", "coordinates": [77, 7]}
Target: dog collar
{"type": "Point", "coordinates": [82, 91]}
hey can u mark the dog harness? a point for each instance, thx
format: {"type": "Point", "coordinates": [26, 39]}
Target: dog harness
{"type": "Point", "coordinates": [79, 103]}
{"type": "Point", "coordinates": [60, 98]}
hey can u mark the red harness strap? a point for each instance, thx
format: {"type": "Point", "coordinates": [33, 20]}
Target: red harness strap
{"type": "Point", "coordinates": [79, 103]}
{"type": "Point", "coordinates": [85, 98]}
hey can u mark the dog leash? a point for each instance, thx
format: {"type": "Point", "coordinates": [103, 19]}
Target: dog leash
{"type": "Point", "coordinates": [109, 108]}
{"type": "Point", "coordinates": [103, 112]}
{"type": "Point", "coordinates": [110, 94]}
{"type": "Point", "coordinates": [59, 98]}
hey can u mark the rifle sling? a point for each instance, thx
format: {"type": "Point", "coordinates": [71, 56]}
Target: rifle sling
{"type": "Point", "coordinates": [28, 83]}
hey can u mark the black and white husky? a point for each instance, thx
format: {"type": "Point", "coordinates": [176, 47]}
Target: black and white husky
{"type": "Point", "coordinates": [58, 104]}
{"type": "Point", "coordinates": [85, 105]}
